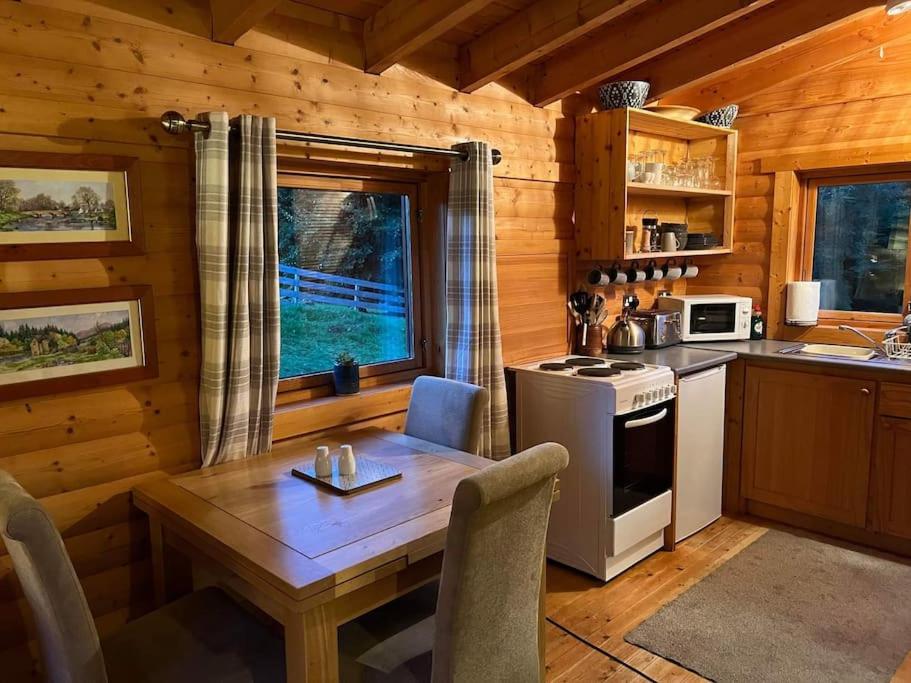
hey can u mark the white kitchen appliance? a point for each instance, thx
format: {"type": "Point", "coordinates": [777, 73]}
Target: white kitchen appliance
{"type": "Point", "coordinates": [710, 317]}
{"type": "Point", "coordinates": [700, 450]}
{"type": "Point", "coordinates": [616, 418]}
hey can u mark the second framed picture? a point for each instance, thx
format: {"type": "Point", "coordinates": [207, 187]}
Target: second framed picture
{"type": "Point", "coordinates": [67, 340]}
{"type": "Point", "coordinates": [56, 206]}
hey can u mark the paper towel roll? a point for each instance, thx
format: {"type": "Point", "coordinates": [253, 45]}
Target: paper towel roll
{"type": "Point", "coordinates": [803, 304]}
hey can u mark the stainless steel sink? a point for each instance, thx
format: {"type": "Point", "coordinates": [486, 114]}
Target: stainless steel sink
{"type": "Point", "coordinates": [838, 351]}
{"type": "Point", "coordinates": [848, 353]}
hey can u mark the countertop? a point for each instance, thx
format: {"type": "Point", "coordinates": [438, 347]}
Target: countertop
{"type": "Point", "coordinates": [683, 359]}
{"type": "Point", "coordinates": [769, 349]}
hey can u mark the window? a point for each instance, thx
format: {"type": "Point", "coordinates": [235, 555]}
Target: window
{"type": "Point", "coordinates": [347, 264]}
{"type": "Point", "coordinates": [856, 245]}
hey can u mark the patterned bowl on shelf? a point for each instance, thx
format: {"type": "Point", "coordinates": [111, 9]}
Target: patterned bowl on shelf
{"type": "Point", "coordinates": [621, 94]}
{"type": "Point", "coordinates": [722, 117]}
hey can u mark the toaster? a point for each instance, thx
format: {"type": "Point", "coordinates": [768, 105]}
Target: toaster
{"type": "Point", "coordinates": [662, 328]}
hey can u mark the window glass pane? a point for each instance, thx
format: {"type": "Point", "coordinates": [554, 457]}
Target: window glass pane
{"type": "Point", "coordinates": [345, 278]}
{"type": "Point", "coordinates": [861, 244]}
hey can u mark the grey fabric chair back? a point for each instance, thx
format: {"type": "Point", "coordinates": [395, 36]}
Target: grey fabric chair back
{"type": "Point", "coordinates": [447, 412]}
{"type": "Point", "coordinates": [488, 605]}
{"type": "Point", "coordinates": [69, 643]}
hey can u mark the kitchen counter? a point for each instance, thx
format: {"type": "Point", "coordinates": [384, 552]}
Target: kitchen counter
{"type": "Point", "coordinates": [769, 349]}
{"type": "Point", "coordinates": [683, 359]}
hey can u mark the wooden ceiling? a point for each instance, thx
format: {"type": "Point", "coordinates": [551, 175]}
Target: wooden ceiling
{"type": "Point", "coordinates": [689, 50]}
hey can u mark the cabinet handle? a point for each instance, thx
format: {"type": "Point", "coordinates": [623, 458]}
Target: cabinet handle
{"type": "Point", "coordinates": [865, 391]}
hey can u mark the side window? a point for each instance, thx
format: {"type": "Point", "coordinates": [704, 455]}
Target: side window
{"type": "Point", "coordinates": [856, 244]}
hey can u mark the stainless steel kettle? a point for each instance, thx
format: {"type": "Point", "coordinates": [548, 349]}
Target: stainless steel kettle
{"type": "Point", "coordinates": [626, 335]}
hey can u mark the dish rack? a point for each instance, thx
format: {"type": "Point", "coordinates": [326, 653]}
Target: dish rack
{"type": "Point", "coordinates": [896, 349]}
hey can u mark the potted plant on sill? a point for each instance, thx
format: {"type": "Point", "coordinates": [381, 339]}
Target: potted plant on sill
{"type": "Point", "coordinates": [346, 374]}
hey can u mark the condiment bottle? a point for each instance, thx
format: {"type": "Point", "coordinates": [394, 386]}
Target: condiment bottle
{"type": "Point", "coordinates": [757, 324]}
{"type": "Point", "coordinates": [323, 464]}
{"type": "Point", "coordinates": [347, 466]}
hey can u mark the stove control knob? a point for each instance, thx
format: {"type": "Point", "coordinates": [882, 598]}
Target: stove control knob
{"type": "Point", "coordinates": [665, 392]}
{"type": "Point", "coordinates": [651, 395]}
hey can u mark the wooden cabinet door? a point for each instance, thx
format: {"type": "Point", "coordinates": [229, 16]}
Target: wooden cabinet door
{"type": "Point", "coordinates": [807, 441]}
{"type": "Point", "coordinates": [891, 486]}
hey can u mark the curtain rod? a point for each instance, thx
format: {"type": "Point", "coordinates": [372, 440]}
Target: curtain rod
{"type": "Point", "coordinates": [175, 124]}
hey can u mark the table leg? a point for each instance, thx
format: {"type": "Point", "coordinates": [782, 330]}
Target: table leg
{"type": "Point", "coordinates": [172, 572]}
{"type": "Point", "coordinates": [311, 646]}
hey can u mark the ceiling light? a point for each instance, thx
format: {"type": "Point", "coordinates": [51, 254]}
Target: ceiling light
{"type": "Point", "coordinates": [894, 7]}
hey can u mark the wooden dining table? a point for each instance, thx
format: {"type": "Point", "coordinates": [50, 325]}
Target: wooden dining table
{"type": "Point", "coordinates": [310, 558]}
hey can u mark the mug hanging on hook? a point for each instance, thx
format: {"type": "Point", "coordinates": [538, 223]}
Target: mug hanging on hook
{"type": "Point", "coordinates": [598, 277]}
{"type": "Point", "coordinates": [690, 270]}
{"type": "Point", "coordinates": [672, 271]}
{"type": "Point", "coordinates": [635, 274]}
{"type": "Point", "coordinates": [653, 272]}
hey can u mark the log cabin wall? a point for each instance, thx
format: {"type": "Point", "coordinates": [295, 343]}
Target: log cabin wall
{"type": "Point", "coordinates": [96, 83]}
{"type": "Point", "coordinates": [848, 107]}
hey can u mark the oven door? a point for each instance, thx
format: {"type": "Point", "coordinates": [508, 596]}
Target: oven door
{"type": "Point", "coordinates": [712, 319]}
{"type": "Point", "coordinates": [643, 462]}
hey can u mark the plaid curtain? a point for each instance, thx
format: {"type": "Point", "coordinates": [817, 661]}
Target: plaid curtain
{"type": "Point", "coordinates": [473, 350]}
{"type": "Point", "coordinates": [237, 248]}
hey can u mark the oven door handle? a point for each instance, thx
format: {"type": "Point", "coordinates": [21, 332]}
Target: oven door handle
{"type": "Point", "coordinates": [643, 421]}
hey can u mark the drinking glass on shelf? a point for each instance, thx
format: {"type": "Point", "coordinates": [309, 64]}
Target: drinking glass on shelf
{"type": "Point", "coordinates": [632, 169]}
{"type": "Point", "coordinates": [703, 171]}
{"type": "Point", "coordinates": [651, 167]}
{"type": "Point", "coordinates": [686, 173]}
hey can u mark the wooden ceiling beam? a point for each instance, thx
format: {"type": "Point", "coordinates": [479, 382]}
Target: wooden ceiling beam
{"type": "Point", "coordinates": [645, 33]}
{"type": "Point", "coordinates": [532, 33]}
{"type": "Point", "coordinates": [870, 30]}
{"type": "Point", "coordinates": [768, 30]}
{"type": "Point", "coordinates": [233, 18]}
{"type": "Point", "coordinates": [403, 26]}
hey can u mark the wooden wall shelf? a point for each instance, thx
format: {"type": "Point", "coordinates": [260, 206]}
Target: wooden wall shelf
{"type": "Point", "coordinates": [671, 191]}
{"type": "Point", "coordinates": [607, 203]}
{"type": "Point", "coordinates": [685, 253]}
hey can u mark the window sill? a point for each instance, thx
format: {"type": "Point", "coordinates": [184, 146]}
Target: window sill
{"type": "Point", "coordinates": [330, 412]}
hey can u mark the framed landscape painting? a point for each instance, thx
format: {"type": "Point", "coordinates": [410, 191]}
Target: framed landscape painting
{"type": "Point", "coordinates": [68, 206]}
{"type": "Point", "coordinates": [58, 341]}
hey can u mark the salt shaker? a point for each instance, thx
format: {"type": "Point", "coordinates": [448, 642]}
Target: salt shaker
{"type": "Point", "coordinates": [323, 464]}
{"type": "Point", "coordinates": [346, 464]}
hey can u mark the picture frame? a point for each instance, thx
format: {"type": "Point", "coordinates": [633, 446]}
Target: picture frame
{"type": "Point", "coordinates": [69, 340]}
{"type": "Point", "coordinates": [60, 206]}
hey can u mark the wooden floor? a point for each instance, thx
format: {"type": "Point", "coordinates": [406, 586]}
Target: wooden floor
{"type": "Point", "coordinates": [603, 614]}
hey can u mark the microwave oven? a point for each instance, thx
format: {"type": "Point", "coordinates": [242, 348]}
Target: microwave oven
{"type": "Point", "coordinates": [710, 317]}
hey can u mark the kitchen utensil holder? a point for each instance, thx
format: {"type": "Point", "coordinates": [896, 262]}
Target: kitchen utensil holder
{"type": "Point", "coordinates": [594, 340]}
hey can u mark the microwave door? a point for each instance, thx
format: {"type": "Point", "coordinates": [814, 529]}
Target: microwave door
{"type": "Point", "coordinates": [713, 319]}
{"type": "Point", "coordinates": [643, 463]}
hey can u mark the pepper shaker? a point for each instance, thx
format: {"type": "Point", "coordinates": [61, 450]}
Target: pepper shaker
{"type": "Point", "coordinates": [323, 464]}
{"type": "Point", "coordinates": [346, 463]}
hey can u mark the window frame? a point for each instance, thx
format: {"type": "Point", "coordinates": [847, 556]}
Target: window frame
{"type": "Point", "coordinates": [391, 370]}
{"type": "Point", "coordinates": [807, 239]}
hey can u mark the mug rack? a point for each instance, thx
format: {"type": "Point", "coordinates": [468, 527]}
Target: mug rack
{"type": "Point", "coordinates": [616, 275]}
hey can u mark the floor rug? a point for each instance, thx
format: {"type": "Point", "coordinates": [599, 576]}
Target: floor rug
{"type": "Point", "coordinates": [789, 608]}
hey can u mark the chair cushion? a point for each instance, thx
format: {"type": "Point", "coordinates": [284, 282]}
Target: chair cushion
{"type": "Point", "coordinates": [204, 636]}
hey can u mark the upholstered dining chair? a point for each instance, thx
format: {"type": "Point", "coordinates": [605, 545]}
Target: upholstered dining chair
{"type": "Point", "coordinates": [204, 636]}
{"type": "Point", "coordinates": [486, 622]}
{"type": "Point", "coordinates": [447, 412]}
